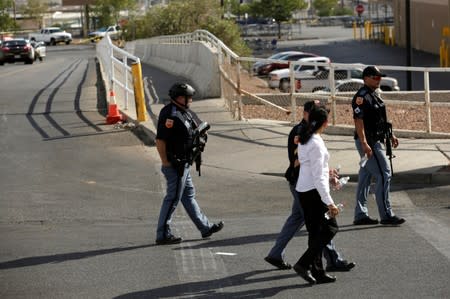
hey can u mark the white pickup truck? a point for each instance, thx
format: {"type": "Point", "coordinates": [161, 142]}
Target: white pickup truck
{"type": "Point", "coordinates": [321, 80]}
{"type": "Point", "coordinates": [51, 36]}
{"type": "Point", "coordinates": [280, 78]}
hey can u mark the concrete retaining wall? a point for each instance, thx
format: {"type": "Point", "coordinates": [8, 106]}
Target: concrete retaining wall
{"type": "Point", "coordinates": [194, 61]}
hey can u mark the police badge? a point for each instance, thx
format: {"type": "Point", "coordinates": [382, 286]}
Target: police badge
{"type": "Point", "coordinates": [359, 100]}
{"type": "Point", "coordinates": [169, 123]}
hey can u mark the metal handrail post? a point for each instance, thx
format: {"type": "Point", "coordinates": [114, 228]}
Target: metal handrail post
{"type": "Point", "coordinates": [239, 94]}
{"type": "Point", "coordinates": [111, 56]}
{"type": "Point", "coordinates": [333, 95]}
{"type": "Point", "coordinates": [124, 61]}
{"type": "Point", "coordinates": [292, 92]}
{"type": "Point", "coordinates": [426, 81]}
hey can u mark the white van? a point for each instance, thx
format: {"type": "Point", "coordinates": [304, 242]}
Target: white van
{"type": "Point", "coordinates": [280, 78]}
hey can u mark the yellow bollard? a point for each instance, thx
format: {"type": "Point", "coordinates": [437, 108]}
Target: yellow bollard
{"type": "Point", "coordinates": [392, 36]}
{"type": "Point", "coordinates": [447, 56]}
{"type": "Point", "coordinates": [354, 29]}
{"type": "Point", "coordinates": [139, 98]}
{"type": "Point", "coordinates": [386, 35]}
{"type": "Point", "coordinates": [446, 31]}
{"type": "Point", "coordinates": [367, 29]}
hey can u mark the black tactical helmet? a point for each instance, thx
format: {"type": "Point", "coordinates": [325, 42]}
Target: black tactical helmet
{"type": "Point", "coordinates": [181, 89]}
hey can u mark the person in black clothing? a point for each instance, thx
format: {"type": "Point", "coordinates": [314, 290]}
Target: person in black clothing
{"type": "Point", "coordinates": [174, 142]}
{"type": "Point", "coordinates": [371, 124]}
{"type": "Point", "coordinates": [296, 220]}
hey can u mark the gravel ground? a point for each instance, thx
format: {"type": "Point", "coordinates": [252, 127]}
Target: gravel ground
{"type": "Point", "coordinates": [402, 117]}
{"type": "Point", "coordinates": [407, 117]}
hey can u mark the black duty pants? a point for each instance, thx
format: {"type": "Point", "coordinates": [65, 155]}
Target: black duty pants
{"type": "Point", "coordinates": [320, 231]}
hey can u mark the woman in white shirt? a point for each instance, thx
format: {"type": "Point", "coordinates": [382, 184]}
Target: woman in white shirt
{"type": "Point", "coordinates": [314, 193]}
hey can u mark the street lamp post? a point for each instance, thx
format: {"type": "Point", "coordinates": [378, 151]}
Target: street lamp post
{"type": "Point", "coordinates": [14, 11]}
{"type": "Point", "coordinates": [408, 43]}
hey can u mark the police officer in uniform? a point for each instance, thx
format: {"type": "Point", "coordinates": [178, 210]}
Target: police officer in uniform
{"type": "Point", "coordinates": [369, 114]}
{"type": "Point", "coordinates": [174, 140]}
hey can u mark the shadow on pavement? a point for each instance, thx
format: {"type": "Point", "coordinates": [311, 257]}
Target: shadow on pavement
{"type": "Point", "coordinates": [243, 240]}
{"type": "Point", "coordinates": [59, 258]}
{"type": "Point", "coordinates": [213, 288]}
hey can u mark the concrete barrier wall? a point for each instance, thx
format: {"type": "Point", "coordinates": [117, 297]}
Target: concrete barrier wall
{"type": "Point", "coordinates": [194, 61]}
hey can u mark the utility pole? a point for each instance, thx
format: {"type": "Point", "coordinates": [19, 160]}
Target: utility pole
{"type": "Point", "coordinates": [14, 11]}
{"type": "Point", "coordinates": [408, 44]}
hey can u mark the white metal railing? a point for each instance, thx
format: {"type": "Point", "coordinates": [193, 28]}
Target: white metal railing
{"type": "Point", "coordinates": [233, 67]}
{"type": "Point", "coordinates": [331, 82]}
{"type": "Point", "coordinates": [116, 69]}
{"type": "Point", "coordinates": [199, 36]}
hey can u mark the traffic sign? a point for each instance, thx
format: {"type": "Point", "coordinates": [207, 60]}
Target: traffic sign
{"type": "Point", "coordinates": [359, 9]}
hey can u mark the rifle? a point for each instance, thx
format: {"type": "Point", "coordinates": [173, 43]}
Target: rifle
{"type": "Point", "coordinates": [198, 145]}
{"type": "Point", "coordinates": [388, 133]}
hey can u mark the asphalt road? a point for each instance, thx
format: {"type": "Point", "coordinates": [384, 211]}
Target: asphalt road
{"type": "Point", "coordinates": [80, 200]}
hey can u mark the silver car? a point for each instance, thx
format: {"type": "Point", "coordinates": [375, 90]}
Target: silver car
{"type": "Point", "coordinates": [40, 50]}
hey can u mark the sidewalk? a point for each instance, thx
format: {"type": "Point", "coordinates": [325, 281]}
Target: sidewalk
{"type": "Point", "coordinates": [259, 146]}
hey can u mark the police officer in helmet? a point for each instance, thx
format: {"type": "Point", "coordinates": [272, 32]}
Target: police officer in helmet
{"type": "Point", "coordinates": [174, 140]}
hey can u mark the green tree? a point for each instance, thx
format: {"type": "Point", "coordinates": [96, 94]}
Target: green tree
{"type": "Point", "coordinates": [107, 12]}
{"type": "Point", "coordinates": [6, 22]}
{"type": "Point", "coordinates": [343, 11]}
{"type": "Point", "coordinates": [187, 16]}
{"type": "Point", "coordinates": [279, 10]}
{"type": "Point", "coordinates": [325, 7]}
{"type": "Point", "coordinates": [35, 10]}
{"type": "Point", "coordinates": [239, 9]}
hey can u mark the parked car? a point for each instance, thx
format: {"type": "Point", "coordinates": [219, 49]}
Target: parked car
{"type": "Point", "coordinates": [346, 85]}
{"type": "Point", "coordinates": [2, 55]}
{"type": "Point", "coordinates": [281, 78]}
{"type": "Point", "coordinates": [17, 50]}
{"type": "Point", "coordinates": [112, 31]}
{"type": "Point", "coordinates": [40, 50]}
{"type": "Point", "coordinates": [257, 65]}
{"type": "Point", "coordinates": [51, 36]}
{"type": "Point", "coordinates": [320, 80]}
{"type": "Point", "coordinates": [264, 67]}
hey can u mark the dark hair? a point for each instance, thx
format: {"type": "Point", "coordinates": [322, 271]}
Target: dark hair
{"type": "Point", "coordinates": [317, 117]}
{"type": "Point", "coordinates": [308, 106]}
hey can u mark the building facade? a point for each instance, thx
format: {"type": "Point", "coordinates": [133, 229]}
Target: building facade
{"type": "Point", "coordinates": [427, 18]}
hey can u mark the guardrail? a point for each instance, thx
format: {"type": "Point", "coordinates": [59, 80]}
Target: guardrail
{"type": "Point", "coordinates": [240, 88]}
{"type": "Point", "coordinates": [200, 36]}
{"type": "Point", "coordinates": [424, 101]}
{"type": "Point", "coordinates": [123, 76]}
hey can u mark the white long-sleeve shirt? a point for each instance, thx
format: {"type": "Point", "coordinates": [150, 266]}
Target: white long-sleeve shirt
{"type": "Point", "coordinates": [314, 171]}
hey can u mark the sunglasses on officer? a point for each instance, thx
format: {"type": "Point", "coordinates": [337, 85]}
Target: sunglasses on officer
{"type": "Point", "coordinates": [377, 78]}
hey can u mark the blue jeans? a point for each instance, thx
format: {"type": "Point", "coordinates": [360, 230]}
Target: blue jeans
{"type": "Point", "coordinates": [179, 188]}
{"type": "Point", "coordinates": [294, 223]}
{"type": "Point", "coordinates": [377, 167]}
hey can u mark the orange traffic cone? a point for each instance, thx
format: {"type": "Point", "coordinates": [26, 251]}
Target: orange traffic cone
{"type": "Point", "coordinates": [114, 115]}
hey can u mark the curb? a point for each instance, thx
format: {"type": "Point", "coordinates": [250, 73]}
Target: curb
{"type": "Point", "coordinates": [349, 130]}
